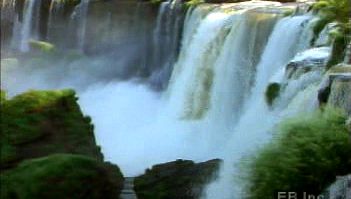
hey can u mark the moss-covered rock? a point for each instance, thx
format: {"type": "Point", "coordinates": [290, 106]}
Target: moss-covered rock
{"type": "Point", "coordinates": [42, 46]}
{"type": "Point", "coordinates": [61, 176]}
{"type": "Point", "coordinates": [181, 179]}
{"type": "Point", "coordinates": [39, 123]}
{"type": "Point", "coordinates": [307, 154]}
{"type": "Point", "coordinates": [48, 150]}
{"type": "Point", "coordinates": [272, 92]}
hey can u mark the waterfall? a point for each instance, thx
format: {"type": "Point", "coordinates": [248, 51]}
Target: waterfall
{"type": "Point", "coordinates": [29, 22]}
{"type": "Point", "coordinates": [166, 42]}
{"type": "Point", "coordinates": [202, 49]}
{"type": "Point", "coordinates": [79, 16]}
{"type": "Point", "coordinates": [55, 13]}
{"type": "Point", "coordinates": [257, 120]}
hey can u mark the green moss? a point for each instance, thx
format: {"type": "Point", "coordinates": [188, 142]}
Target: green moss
{"type": "Point", "coordinates": [42, 46]}
{"type": "Point", "coordinates": [60, 176]}
{"type": "Point", "coordinates": [193, 3]}
{"type": "Point", "coordinates": [318, 27]}
{"type": "Point", "coordinates": [331, 11]}
{"type": "Point", "coordinates": [272, 92]}
{"type": "Point", "coordinates": [307, 154]}
{"type": "Point", "coordinates": [335, 10]}
{"type": "Point", "coordinates": [38, 123]}
{"type": "Point", "coordinates": [341, 39]}
{"type": "Point", "coordinates": [3, 96]}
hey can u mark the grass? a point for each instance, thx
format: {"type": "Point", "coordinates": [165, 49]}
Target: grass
{"type": "Point", "coordinates": [307, 154]}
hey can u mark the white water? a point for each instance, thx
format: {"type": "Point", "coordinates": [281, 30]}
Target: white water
{"type": "Point", "coordinates": [256, 122]}
{"type": "Point", "coordinates": [80, 15]}
{"type": "Point", "coordinates": [27, 25]}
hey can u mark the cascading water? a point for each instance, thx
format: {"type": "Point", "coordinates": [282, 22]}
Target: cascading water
{"type": "Point", "coordinates": [214, 104]}
{"type": "Point", "coordinates": [26, 29]}
{"type": "Point", "coordinates": [166, 41]}
{"type": "Point", "coordinates": [80, 16]}
{"type": "Point", "coordinates": [257, 120]}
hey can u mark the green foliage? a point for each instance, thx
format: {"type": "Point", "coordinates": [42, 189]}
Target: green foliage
{"type": "Point", "coordinates": [38, 123]}
{"type": "Point", "coordinates": [341, 39]}
{"type": "Point", "coordinates": [272, 92]}
{"type": "Point", "coordinates": [306, 155]}
{"type": "Point", "coordinates": [193, 3]}
{"type": "Point", "coordinates": [288, 12]}
{"type": "Point", "coordinates": [331, 11]}
{"type": "Point", "coordinates": [334, 10]}
{"type": "Point", "coordinates": [60, 176]}
{"type": "Point", "coordinates": [3, 96]}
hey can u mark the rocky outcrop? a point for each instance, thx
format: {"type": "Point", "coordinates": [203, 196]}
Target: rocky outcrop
{"type": "Point", "coordinates": [40, 123]}
{"type": "Point", "coordinates": [48, 150]}
{"type": "Point", "coordinates": [340, 189]}
{"type": "Point", "coordinates": [181, 179]}
{"type": "Point", "coordinates": [336, 88]}
{"type": "Point", "coordinates": [306, 61]}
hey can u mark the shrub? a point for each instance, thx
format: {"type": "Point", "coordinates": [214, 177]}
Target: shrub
{"type": "Point", "coordinates": [60, 176]}
{"type": "Point", "coordinates": [307, 154]}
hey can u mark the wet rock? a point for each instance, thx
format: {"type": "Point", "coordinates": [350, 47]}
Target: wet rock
{"type": "Point", "coordinates": [306, 61]}
{"type": "Point", "coordinates": [340, 92]}
{"type": "Point", "coordinates": [181, 179]}
{"type": "Point", "coordinates": [340, 189]}
{"type": "Point", "coordinates": [336, 88]}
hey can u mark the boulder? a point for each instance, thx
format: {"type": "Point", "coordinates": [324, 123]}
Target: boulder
{"type": "Point", "coordinates": [181, 179]}
{"type": "Point", "coordinates": [48, 150]}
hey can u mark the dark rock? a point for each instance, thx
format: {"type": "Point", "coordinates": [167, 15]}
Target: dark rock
{"type": "Point", "coordinates": [336, 88]}
{"type": "Point", "coordinates": [272, 92]}
{"type": "Point", "coordinates": [181, 179]}
{"type": "Point", "coordinates": [309, 60]}
{"type": "Point", "coordinates": [340, 189]}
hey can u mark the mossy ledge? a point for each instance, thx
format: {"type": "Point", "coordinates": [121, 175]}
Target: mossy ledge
{"type": "Point", "coordinates": [174, 180]}
{"type": "Point", "coordinates": [48, 150]}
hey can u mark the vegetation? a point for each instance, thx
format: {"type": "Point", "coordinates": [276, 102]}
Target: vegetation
{"type": "Point", "coordinates": [49, 126]}
{"type": "Point", "coordinates": [60, 176]}
{"type": "Point", "coordinates": [42, 46]}
{"type": "Point", "coordinates": [334, 11]}
{"type": "Point", "coordinates": [174, 180]}
{"type": "Point", "coordinates": [38, 123]}
{"type": "Point", "coordinates": [307, 154]}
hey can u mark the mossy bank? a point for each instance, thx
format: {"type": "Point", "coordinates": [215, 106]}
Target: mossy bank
{"type": "Point", "coordinates": [48, 150]}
